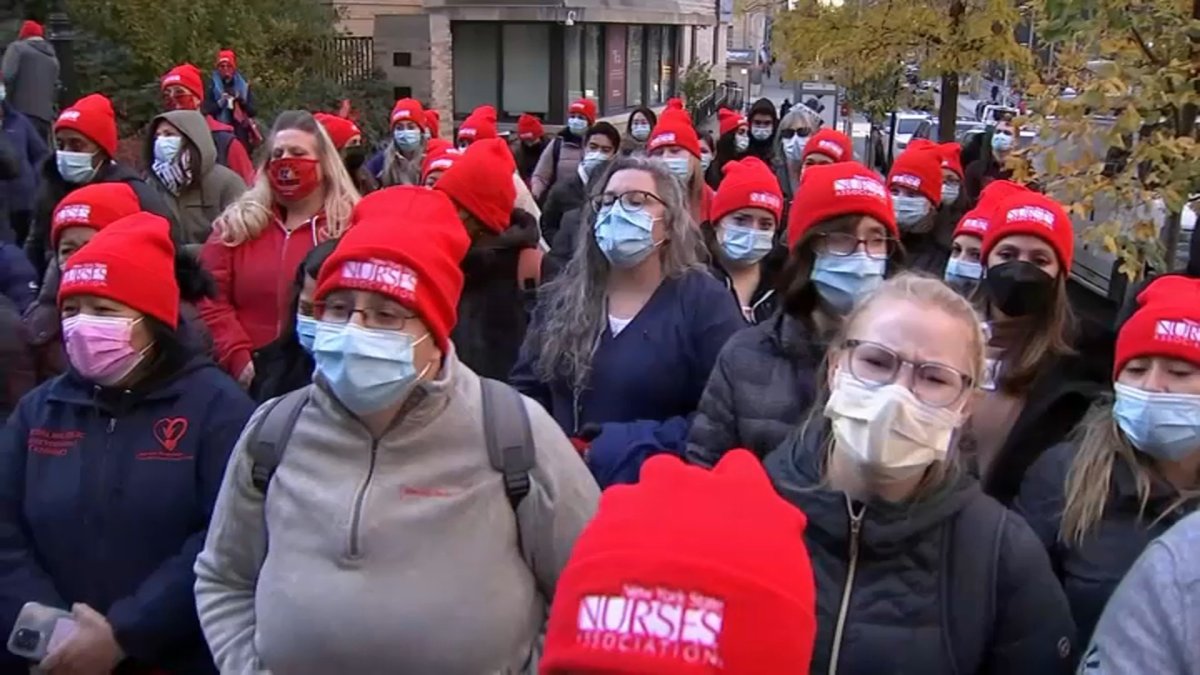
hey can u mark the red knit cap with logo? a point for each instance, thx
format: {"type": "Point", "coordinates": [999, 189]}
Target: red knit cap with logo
{"type": "Point", "coordinates": [131, 261]}
{"type": "Point", "coordinates": [919, 169]}
{"type": "Point", "coordinates": [1035, 214]}
{"type": "Point", "coordinates": [585, 107]}
{"type": "Point", "coordinates": [95, 206]}
{"type": "Point", "coordinates": [480, 125]}
{"type": "Point", "coordinates": [407, 243]}
{"type": "Point", "coordinates": [975, 222]}
{"type": "Point", "coordinates": [748, 183]}
{"type": "Point", "coordinates": [1166, 323]}
{"type": "Point", "coordinates": [31, 29]}
{"type": "Point", "coordinates": [184, 75]}
{"type": "Point", "coordinates": [408, 110]}
{"type": "Point", "coordinates": [529, 127]}
{"type": "Point", "coordinates": [687, 572]}
{"type": "Point", "coordinates": [227, 55]}
{"type": "Point", "coordinates": [952, 158]}
{"type": "Point", "coordinates": [481, 182]}
{"type": "Point", "coordinates": [93, 117]}
{"type": "Point", "coordinates": [830, 190]}
{"type": "Point", "coordinates": [439, 156]}
{"type": "Point", "coordinates": [728, 120]}
{"type": "Point", "coordinates": [674, 129]}
{"type": "Point", "coordinates": [433, 123]}
{"type": "Point", "coordinates": [831, 143]}
{"type": "Point", "coordinates": [341, 130]}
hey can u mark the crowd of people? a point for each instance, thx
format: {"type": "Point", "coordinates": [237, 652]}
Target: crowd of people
{"type": "Point", "coordinates": [624, 398]}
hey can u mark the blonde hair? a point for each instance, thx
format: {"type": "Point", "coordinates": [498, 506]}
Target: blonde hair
{"type": "Point", "coordinates": [928, 292]}
{"type": "Point", "coordinates": [1089, 480]}
{"type": "Point", "coordinates": [246, 218]}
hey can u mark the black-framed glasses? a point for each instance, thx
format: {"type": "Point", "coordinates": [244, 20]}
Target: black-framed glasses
{"type": "Point", "coordinates": [633, 200]}
{"type": "Point", "coordinates": [879, 247]}
{"type": "Point", "coordinates": [934, 384]}
{"type": "Point", "coordinates": [382, 316]}
{"type": "Point", "coordinates": [787, 134]}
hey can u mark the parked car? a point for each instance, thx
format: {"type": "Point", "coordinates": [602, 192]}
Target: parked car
{"type": "Point", "coordinates": [901, 130]}
{"type": "Point", "coordinates": [963, 128]}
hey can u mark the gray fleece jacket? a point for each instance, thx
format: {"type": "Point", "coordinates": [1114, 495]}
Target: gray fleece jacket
{"type": "Point", "coordinates": [1152, 622]}
{"type": "Point", "coordinates": [396, 555]}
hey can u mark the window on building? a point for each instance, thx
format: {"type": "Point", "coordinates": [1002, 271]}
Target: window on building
{"type": "Point", "coordinates": [573, 61]}
{"type": "Point", "coordinates": [670, 57]}
{"type": "Point", "coordinates": [402, 59]}
{"type": "Point", "coordinates": [593, 63]}
{"type": "Point", "coordinates": [633, 66]}
{"type": "Point", "coordinates": [476, 57]}
{"type": "Point", "coordinates": [525, 82]}
{"type": "Point", "coordinates": [654, 89]}
{"type": "Point", "coordinates": [401, 92]}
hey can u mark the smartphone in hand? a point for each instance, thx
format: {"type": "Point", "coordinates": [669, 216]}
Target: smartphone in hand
{"type": "Point", "coordinates": [40, 630]}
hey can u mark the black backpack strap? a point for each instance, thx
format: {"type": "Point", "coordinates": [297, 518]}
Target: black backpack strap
{"type": "Point", "coordinates": [509, 439]}
{"type": "Point", "coordinates": [558, 143]}
{"type": "Point", "coordinates": [973, 565]}
{"type": "Point", "coordinates": [270, 437]}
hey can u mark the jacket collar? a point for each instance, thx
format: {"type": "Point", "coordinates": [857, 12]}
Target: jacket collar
{"type": "Point", "coordinates": [71, 388]}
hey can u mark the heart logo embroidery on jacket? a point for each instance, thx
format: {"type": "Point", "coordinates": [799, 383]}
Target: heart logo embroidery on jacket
{"type": "Point", "coordinates": [169, 431]}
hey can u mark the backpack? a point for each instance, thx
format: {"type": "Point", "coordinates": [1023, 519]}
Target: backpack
{"type": "Point", "coordinates": [505, 426]}
{"type": "Point", "coordinates": [968, 563]}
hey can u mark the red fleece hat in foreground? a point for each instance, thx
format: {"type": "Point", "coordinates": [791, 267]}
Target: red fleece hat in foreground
{"type": "Point", "coordinates": [1032, 213]}
{"type": "Point", "coordinates": [748, 183]}
{"type": "Point", "coordinates": [96, 206]}
{"type": "Point", "coordinates": [480, 181]}
{"type": "Point", "coordinates": [830, 190]}
{"type": "Point", "coordinates": [93, 117]}
{"type": "Point", "coordinates": [1166, 323]}
{"type": "Point", "coordinates": [674, 129]}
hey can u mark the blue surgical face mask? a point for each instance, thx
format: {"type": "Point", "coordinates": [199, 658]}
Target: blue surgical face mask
{"type": "Point", "coordinates": [842, 281]}
{"type": "Point", "coordinates": [741, 142]}
{"type": "Point", "coordinates": [793, 147]}
{"type": "Point", "coordinates": [950, 192]}
{"type": "Point", "coordinates": [625, 237]}
{"type": "Point", "coordinates": [166, 148]}
{"type": "Point", "coordinates": [746, 244]}
{"type": "Point", "coordinates": [75, 167]}
{"type": "Point", "coordinates": [593, 159]}
{"type": "Point", "coordinates": [367, 369]}
{"type": "Point", "coordinates": [963, 275]}
{"type": "Point", "coordinates": [406, 139]}
{"type": "Point", "coordinates": [680, 166]}
{"type": "Point", "coordinates": [762, 133]}
{"type": "Point", "coordinates": [1002, 142]}
{"type": "Point", "coordinates": [306, 332]}
{"type": "Point", "coordinates": [909, 210]}
{"type": "Point", "coordinates": [640, 131]}
{"type": "Point", "coordinates": [577, 125]}
{"type": "Point", "coordinates": [1163, 426]}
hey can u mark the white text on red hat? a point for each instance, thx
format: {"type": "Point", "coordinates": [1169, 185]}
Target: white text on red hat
{"type": "Point", "coordinates": [69, 116]}
{"type": "Point", "coordinates": [1031, 214]}
{"type": "Point", "coordinates": [975, 225]}
{"type": "Point", "coordinates": [829, 147]}
{"type": "Point", "coordinates": [384, 276]}
{"type": "Point", "coordinates": [766, 199]}
{"type": "Point", "coordinates": [663, 139]}
{"type": "Point", "coordinates": [1181, 332]}
{"type": "Point", "coordinates": [672, 624]}
{"type": "Point", "coordinates": [908, 180]}
{"type": "Point", "coordinates": [86, 273]}
{"type": "Point", "coordinates": [859, 186]}
{"type": "Point", "coordinates": [73, 213]}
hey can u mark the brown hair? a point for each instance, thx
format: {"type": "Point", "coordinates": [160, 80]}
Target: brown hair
{"type": "Point", "coordinates": [1050, 338]}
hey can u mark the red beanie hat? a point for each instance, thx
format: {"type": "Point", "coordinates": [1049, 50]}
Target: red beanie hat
{"type": "Point", "coordinates": [840, 189]}
{"type": "Point", "coordinates": [93, 117]}
{"type": "Point", "coordinates": [1028, 212]}
{"type": "Point", "coordinates": [687, 572]}
{"type": "Point", "coordinates": [96, 205]}
{"type": "Point", "coordinates": [829, 142]}
{"type": "Point", "coordinates": [748, 183]}
{"type": "Point", "coordinates": [407, 243]}
{"type": "Point", "coordinates": [227, 55]}
{"type": "Point", "coordinates": [975, 221]}
{"type": "Point", "coordinates": [480, 181]}
{"type": "Point", "coordinates": [438, 158]}
{"type": "Point", "coordinates": [674, 129]}
{"type": "Point", "coordinates": [919, 169]}
{"type": "Point", "coordinates": [585, 107]}
{"type": "Point", "coordinates": [31, 29]}
{"type": "Point", "coordinates": [409, 110]}
{"type": "Point", "coordinates": [1166, 323]}
{"type": "Point", "coordinates": [184, 75]}
{"type": "Point", "coordinates": [952, 158]}
{"type": "Point", "coordinates": [479, 125]}
{"type": "Point", "coordinates": [131, 261]}
{"type": "Point", "coordinates": [433, 123]}
{"type": "Point", "coordinates": [729, 120]}
{"type": "Point", "coordinates": [529, 127]}
{"type": "Point", "coordinates": [341, 130]}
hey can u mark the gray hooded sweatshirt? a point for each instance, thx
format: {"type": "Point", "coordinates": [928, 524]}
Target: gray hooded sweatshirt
{"type": "Point", "coordinates": [398, 555]}
{"type": "Point", "coordinates": [1152, 622]}
{"type": "Point", "coordinates": [30, 70]}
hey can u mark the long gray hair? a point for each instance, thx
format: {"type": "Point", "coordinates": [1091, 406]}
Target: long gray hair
{"type": "Point", "coordinates": [572, 306]}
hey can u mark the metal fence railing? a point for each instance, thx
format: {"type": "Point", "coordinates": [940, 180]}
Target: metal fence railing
{"type": "Point", "coordinates": [348, 59]}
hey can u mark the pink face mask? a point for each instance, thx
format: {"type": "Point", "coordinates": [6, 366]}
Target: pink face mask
{"type": "Point", "coordinates": [99, 347]}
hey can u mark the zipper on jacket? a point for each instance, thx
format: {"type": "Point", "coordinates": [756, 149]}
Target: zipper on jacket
{"type": "Point", "coordinates": [855, 532]}
{"type": "Point", "coordinates": [359, 499]}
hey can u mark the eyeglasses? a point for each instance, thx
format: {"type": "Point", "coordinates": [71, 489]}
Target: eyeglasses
{"type": "Point", "coordinates": [879, 247]}
{"type": "Point", "coordinates": [382, 316]}
{"type": "Point", "coordinates": [788, 133]}
{"type": "Point", "coordinates": [934, 384]}
{"type": "Point", "coordinates": [634, 200]}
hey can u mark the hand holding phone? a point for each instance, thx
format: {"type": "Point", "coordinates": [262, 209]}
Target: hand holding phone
{"type": "Point", "coordinates": [39, 630]}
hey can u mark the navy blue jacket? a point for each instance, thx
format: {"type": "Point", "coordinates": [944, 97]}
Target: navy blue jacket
{"type": "Point", "coordinates": [18, 279]}
{"type": "Point", "coordinates": [105, 498]}
{"type": "Point", "coordinates": [655, 369]}
{"type": "Point", "coordinates": [30, 150]}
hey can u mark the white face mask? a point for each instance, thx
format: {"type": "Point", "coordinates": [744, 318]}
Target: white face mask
{"type": "Point", "coordinates": [705, 160]}
{"type": "Point", "coordinates": [886, 431]}
{"type": "Point", "coordinates": [741, 142]}
{"type": "Point", "coordinates": [640, 130]}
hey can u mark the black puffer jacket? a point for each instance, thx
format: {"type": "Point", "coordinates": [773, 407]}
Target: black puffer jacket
{"type": "Point", "coordinates": [905, 611]}
{"type": "Point", "coordinates": [760, 389]}
{"type": "Point", "coordinates": [492, 312]}
{"type": "Point", "coordinates": [1090, 572]}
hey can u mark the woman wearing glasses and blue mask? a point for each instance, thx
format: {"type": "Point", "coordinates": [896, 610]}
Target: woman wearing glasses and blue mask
{"type": "Point", "coordinates": [675, 142]}
{"type": "Point", "coordinates": [624, 338]}
{"type": "Point", "coordinates": [389, 446]}
{"type": "Point", "coordinates": [1133, 468]}
{"type": "Point", "coordinates": [841, 239]}
{"type": "Point", "coordinates": [915, 182]}
{"type": "Point", "coordinates": [917, 570]}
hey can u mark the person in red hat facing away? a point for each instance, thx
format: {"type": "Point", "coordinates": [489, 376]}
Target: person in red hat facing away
{"type": "Point", "coordinates": [480, 125]}
{"type": "Point", "coordinates": [527, 147]}
{"type": "Point", "coordinates": [30, 76]}
{"type": "Point", "coordinates": [440, 156]}
{"type": "Point", "coordinates": [303, 197]}
{"type": "Point", "coordinates": [230, 99]}
{"type": "Point", "coordinates": [894, 512]}
{"type": "Point", "coordinates": [733, 142]}
{"type": "Point", "coordinates": [841, 238]}
{"type": "Point", "coordinates": [183, 89]}
{"type": "Point", "coordinates": [689, 572]}
{"type": "Point", "coordinates": [1132, 470]}
{"type": "Point", "coordinates": [964, 269]}
{"type": "Point", "coordinates": [136, 436]}
{"type": "Point", "coordinates": [674, 140]}
{"type": "Point", "coordinates": [564, 153]}
{"type": "Point", "coordinates": [348, 139]}
{"type": "Point", "coordinates": [915, 182]}
{"type": "Point", "coordinates": [433, 124]}
{"type": "Point", "coordinates": [399, 163]}
{"type": "Point", "coordinates": [275, 588]}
